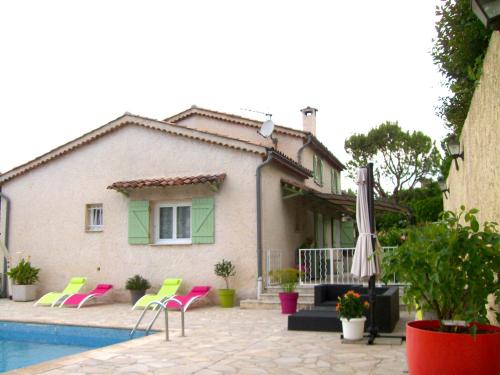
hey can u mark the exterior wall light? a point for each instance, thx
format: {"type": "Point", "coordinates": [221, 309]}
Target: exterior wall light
{"type": "Point", "coordinates": [488, 12]}
{"type": "Point", "coordinates": [454, 150]}
{"type": "Point", "coordinates": [442, 186]}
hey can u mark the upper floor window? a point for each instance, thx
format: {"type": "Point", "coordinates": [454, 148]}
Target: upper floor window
{"type": "Point", "coordinates": [173, 223]}
{"type": "Point", "coordinates": [94, 218]}
{"type": "Point", "coordinates": [335, 181]}
{"type": "Point", "coordinates": [318, 170]}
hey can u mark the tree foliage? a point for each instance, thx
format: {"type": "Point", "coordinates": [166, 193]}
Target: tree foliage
{"type": "Point", "coordinates": [401, 158]}
{"type": "Point", "coordinates": [458, 51]}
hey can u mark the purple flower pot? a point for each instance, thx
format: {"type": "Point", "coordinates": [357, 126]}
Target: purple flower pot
{"type": "Point", "coordinates": [288, 302]}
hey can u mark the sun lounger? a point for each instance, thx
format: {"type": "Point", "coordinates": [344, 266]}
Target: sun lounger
{"type": "Point", "coordinates": [183, 302]}
{"type": "Point", "coordinates": [177, 302]}
{"type": "Point", "coordinates": [167, 290]}
{"type": "Point", "coordinates": [81, 298]}
{"type": "Point", "coordinates": [52, 298]}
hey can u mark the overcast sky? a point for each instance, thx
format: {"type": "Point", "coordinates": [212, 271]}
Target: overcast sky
{"type": "Point", "coordinates": [67, 67]}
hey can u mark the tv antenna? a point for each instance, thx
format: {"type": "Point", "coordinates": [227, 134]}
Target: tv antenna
{"type": "Point", "coordinates": [267, 128]}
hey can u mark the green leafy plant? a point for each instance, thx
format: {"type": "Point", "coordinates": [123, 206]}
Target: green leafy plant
{"type": "Point", "coordinates": [24, 273]}
{"type": "Point", "coordinates": [225, 269]}
{"type": "Point", "coordinates": [137, 282]}
{"type": "Point", "coordinates": [350, 305]}
{"type": "Point", "coordinates": [450, 267]}
{"type": "Point", "coordinates": [288, 278]}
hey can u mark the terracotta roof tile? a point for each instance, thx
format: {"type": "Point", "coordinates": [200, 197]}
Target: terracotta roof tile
{"type": "Point", "coordinates": [167, 181]}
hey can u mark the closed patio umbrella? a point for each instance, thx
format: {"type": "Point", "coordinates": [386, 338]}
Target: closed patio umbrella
{"type": "Point", "coordinates": [364, 263]}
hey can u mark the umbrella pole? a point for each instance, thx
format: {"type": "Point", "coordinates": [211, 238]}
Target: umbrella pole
{"type": "Point", "coordinates": [372, 326]}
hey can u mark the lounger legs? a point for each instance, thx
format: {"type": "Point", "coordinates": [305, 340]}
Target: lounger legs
{"type": "Point", "coordinates": [182, 322]}
{"type": "Point", "coordinates": [166, 324]}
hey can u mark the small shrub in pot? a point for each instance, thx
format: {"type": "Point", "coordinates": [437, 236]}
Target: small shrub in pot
{"type": "Point", "coordinates": [137, 285]}
{"type": "Point", "coordinates": [225, 269]}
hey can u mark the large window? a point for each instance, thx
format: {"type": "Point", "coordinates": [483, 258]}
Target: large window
{"type": "Point", "coordinates": [173, 223]}
{"type": "Point", "coordinates": [94, 220]}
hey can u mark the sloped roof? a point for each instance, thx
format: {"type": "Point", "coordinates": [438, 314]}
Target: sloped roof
{"type": "Point", "coordinates": [133, 120]}
{"type": "Point", "coordinates": [280, 129]}
{"type": "Point", "coordinates": [346, 202]}
{"type": "Point", "coordinates": [167, 181]}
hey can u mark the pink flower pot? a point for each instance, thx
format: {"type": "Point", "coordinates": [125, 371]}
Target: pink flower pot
{"type": "Point", "coordinates": [288, 302]}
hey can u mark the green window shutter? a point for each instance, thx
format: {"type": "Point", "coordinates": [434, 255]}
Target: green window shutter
{"type": "Point", "coordinates": [347, 233]}
{"type": "Point", "coordinates": [320, 171]}
{"type": "Point", "coordinates": [203, 230]}
{"type": "Point", "coordinates": [332, 186]}
{"type": "Point", "coordinates": [138, 222]}
{"type": "Point", "coordinates": [315, 168]}
{"type": "Point", "coordinates": [337, 179]}
{"type": "Point", "coordinates": [325, 232]}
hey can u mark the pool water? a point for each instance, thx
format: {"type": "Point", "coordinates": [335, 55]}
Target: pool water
{"type": "Point", "coordinates": [25, 344]}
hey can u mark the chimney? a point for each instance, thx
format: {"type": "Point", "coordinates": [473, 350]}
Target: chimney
{"type": "Point", "coordinates": [309, 119]}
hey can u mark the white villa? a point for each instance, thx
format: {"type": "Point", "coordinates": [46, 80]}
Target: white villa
{"type": "Point", "coordinates": [170, 198]}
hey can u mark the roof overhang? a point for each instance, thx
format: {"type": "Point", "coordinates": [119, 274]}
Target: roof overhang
{"type": "Point", "coordinates": [212, 181]}
{"type": "Point", "coordinates": [343, 202]}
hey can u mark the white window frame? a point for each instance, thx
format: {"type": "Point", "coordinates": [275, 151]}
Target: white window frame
{"type": "Point", "coordinates": [90, 209]}
{"type": "Point", "coordinates": [174, 240]}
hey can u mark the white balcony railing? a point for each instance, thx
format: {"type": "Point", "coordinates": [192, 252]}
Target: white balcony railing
{"type": "Point", "coordinates": [319, 266]}
{"type": "Point", "coordinates": [329, 266]}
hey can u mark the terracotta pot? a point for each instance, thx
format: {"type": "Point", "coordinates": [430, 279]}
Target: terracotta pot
{"type": "Point", "coordinates": [288, 302]}
{"type": "Point", "coordinates": [430, 352]}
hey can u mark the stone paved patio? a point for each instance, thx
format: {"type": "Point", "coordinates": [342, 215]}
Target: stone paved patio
{"type": "Point", "coordinates": [219, 341]}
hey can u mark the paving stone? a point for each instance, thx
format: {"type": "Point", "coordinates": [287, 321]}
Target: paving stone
{"type": "Point", "coordinates": [218, 341]}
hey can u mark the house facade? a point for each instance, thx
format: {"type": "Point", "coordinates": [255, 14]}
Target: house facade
{"type": "Point", "coordinates": [171, 198]}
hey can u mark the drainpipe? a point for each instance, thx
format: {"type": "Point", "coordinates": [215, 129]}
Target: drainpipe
{"type": "Point", "coordinates": [308, 142]}
{"type": "Point", "coordinates": [259, 221]}
{"type": "Point", "coordinates": [4, 291]}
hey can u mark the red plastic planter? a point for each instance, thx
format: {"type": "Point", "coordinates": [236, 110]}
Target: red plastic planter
{"type": "Point", "coordinates": [288, 302]}
{"type": "Point", "coordinates": [430, 352]}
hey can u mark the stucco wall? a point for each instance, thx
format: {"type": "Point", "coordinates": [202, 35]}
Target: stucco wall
{"type": "Point", "coordinates": [287, 144]}
{"type": "Point", "coordinates": [48, 212]}
{"type": "Point", "coordinates": [477, 182]}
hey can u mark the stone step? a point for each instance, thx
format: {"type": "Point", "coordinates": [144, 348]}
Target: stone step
{"type": "Point", "coordinates": [254, 304]}
{"type": "Point", "coordinates": [307, 298]}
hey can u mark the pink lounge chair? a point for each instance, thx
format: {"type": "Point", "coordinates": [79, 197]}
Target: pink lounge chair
{"type": "Point", "coordinates": [80, 298]}
{"type": "Point", "coordinates": [178, 302]}
{"type": "Point", "coordinates": [183, 302]}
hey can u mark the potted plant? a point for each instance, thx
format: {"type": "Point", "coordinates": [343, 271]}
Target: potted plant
{"type": "Point", "coordinates": [288, 279]}
{"type": "Point", "coordinates": [450, 267]}
{"type": "Point", "coordinates": [351, 311]}
{"type": "Point", "coordinates": [225, 269]}
{"type": "Point", "coordinates": [24, 276]}
{"type": "Point", "coordinates": [137, 286]}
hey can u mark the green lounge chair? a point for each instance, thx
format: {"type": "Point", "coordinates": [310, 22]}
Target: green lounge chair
{"type": "Point", "coordinates": [167, 290]}
{"type": "Point", "coordinates": [52, 298]}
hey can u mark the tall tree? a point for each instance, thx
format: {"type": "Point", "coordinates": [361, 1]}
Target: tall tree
{"type": "Point", "coordinates": [402, 159]}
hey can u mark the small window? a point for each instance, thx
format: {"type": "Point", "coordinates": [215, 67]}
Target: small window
{"type": "Point", "coordinates": [95, 218]}
{"type": "Point", "coordinates": [173, 223]}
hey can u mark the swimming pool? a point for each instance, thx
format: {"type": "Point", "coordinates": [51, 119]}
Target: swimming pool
{"type": "Point", "coordinates": [25, 344]}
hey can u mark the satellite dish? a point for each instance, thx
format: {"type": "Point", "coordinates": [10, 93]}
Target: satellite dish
{"type": "Point", "coordinates": [267, 128]}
